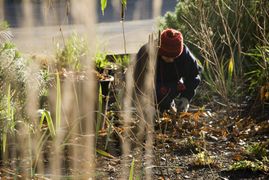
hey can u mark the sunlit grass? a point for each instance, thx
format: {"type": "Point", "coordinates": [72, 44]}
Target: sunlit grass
{"type": "Point", "coordinates": [58, 109]}
{"type": "Point", "coordinates": [66, 138]}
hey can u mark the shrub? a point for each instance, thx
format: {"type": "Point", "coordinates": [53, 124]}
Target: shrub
{"type": "Point", "coordinates": [12, 86]}
{"type": "Point", "coordinates": [218, 33]}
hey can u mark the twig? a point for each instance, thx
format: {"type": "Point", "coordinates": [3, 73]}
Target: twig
{"type": "Point", "coordinates": [122, 25]}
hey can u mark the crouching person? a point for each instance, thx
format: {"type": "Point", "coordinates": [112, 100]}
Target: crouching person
{"type": "Point", "coordinates": [177, 73]}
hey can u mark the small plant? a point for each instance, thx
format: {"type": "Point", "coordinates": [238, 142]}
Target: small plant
{"type": "Point", "coordinates": [100, 61]}
{"type": "Point", "coordinates": [7, 119]}
{"type": "Point", "coordinates": [203, 159]}
{"type": "Point", "coordinates": [122, 61]}
{"type": "Point", "coordinates": [12, 65]}
{"type": "Point", "coordinates": [257, 69]}
{"type": "Point", "coordinates": [71, 55]}
{"type": "Point", "coordinates": [12, 84]}
{"type": "Point", "coordinates": [257, 150]}
{"type": "Point", "coordinates": [246, 164]}
{"type": "Point", "coordinates": [45, 115]}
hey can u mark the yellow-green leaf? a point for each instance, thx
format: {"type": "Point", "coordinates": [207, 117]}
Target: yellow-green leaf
{"type": "Point", "coordinates": [231, 68]}
{"type": "Point", "coordinates": [103, 5]}
{"type": "Point", "coordinates": [131, 174]}
{"type": "Point", "coordinates": [124, 2]}
{"type": "Point", "coordinates": [103, 153]}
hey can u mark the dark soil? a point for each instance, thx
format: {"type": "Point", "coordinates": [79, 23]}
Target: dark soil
{"type": "Point", "coordinates": [197, 145]}
{"type": "Point", "coordinates": [202, 144]}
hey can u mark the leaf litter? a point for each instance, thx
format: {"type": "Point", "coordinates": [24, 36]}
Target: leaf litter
{"type": "Point", "coordinates": [204, 145]}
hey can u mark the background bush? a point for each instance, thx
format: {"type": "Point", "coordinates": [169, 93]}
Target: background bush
{"type": "Point", "coordinates": [223, 34]}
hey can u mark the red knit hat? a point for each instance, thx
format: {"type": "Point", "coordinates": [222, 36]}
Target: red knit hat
{"type": "Point", "coordinates": [171, 43]}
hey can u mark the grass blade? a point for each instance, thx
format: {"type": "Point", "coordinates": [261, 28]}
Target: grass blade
{"type": "Point", "coordinates": [109, 131]}
{"type": "Point", "coordinates": [99, 113]}
{"type": "Point", "coordinates": [10, 119]}
{"type": "Point", "coordinates": [230, 68]}
{"type": "Point", "coordinates": [103, 6]}
{"type": "Point", "coordinates": [131, 174]}
{"type": "Point", "coordinates": [58, 102]}
{"type": "Point", "coordinates": [103, 153]}
{"type": "Point", "coordinates": [124, 2]}
{"type": "Point", "coordinates": [46, 114]}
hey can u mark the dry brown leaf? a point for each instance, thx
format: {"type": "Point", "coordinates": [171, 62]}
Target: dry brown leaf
{"type": "Point", "coordinates": [266, 96]}
{"type": "Point", "coordinates": [237, 157]}
{"type": "Point", "coordinates": [195, 132]}
{"type": "Point", "coordinates": [231, 145]}
{"type": "Point", "coordinates": [224, 133]}
{"type": "Point", "coordinates": [262, 93]}
{"type": "Point", "coordinates": [179, 170]}
{"type": "Point", "coordinates": [185, 115]}
{"type": "Point", "coordinates": [206, 128]}
{"type": "Point", "coordinates": [102, 132]}
{"type": "Point", "coordinates": [236, 132]}
{"type": "Point", "coordinates": [197, 115]}
{"type": "Point", "coordinates": [161, 136]}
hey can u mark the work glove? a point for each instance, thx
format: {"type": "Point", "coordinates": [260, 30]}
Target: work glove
{"type": "Point", "coordinates": [182, 104]}
{"type": "Point", "coordinates": [181, 87]}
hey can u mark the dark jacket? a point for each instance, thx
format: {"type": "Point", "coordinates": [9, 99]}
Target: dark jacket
{"type": "Point", "coordinates": [184, 67]}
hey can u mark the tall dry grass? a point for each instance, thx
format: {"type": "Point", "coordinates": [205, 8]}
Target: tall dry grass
{"type": "Point", "coordinates": [60, 142]}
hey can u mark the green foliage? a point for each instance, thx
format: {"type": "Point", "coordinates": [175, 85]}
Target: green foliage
{"type": "Point", "coordinates": [103, 153]}
{"type": "Point", "coordinates": [203, 159]}
{"type": "Point", "coordinates": [12, 85]}
{"type": "Point", "coordinates": [131, 174]}
{"type": "Point", "coordinates": [72, 54]}
{"type": "Point", "coordinates": [218, 32]}
{"type": "Point", "coordinates": [5, 34]}
{"type": "Point", "coordinates": [198, 17]}
{"type": "Point", "coordinates": [258, 154]}
{"type": "Point", "coordinates": [12, 65]}
{"type": "Point", "coordinates": [45, 115]}
{"type": "Point", "coordinates": [246, 164]}
{"type": "Point", "coordinates": [124, 2]}
{"type": "Point", "coordinates": [122, 61]}
{"type": "Point", "coordinates": [169, 21]}
{"type": "Point", "coordinates": [257, 67]}
{"type": "Point", "coordinates": [58, 109]}
{"type": "Point", "coordinates": [4, 25]}
{"type": "Point", "coordinates": [12, 70]}
{"type": "Point", "coordinates": [103, 5]}
{"type": "Point", "coordinates": [8, 122]}
{"type": "Point", "coordinates": [257, 150]}
{"type": "Point", "coordinates": [101, 60]}
{"type": "Point", "coordinates": [44, 80]}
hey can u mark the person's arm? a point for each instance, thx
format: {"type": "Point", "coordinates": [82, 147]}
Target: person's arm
{"type": "Point", "coordinates": [191, 76]}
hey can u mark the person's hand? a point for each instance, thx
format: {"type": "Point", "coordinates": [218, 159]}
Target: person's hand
{"type": "Point", "coordinates": [182, 104]}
